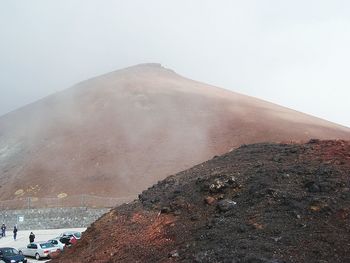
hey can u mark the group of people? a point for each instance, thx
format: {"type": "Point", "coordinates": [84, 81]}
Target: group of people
{"type": "Point", "coordinates": [3, 231]}
{"type": "Point", "coordinates": [15, 230]}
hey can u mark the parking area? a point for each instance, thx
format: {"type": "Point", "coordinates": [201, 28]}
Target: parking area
{"type": "Point", "coordinates": [40, 235]}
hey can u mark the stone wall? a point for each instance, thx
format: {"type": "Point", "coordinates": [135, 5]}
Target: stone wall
{"type": "Point", "coordinates": [50, 218]}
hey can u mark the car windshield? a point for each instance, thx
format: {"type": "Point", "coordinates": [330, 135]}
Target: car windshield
{"type": "Point", "coordinates": [9, 252]}
{"type": "Point", "coordinates": [46, 245]}
{"type": "Point", "coordinates": [77, 234]}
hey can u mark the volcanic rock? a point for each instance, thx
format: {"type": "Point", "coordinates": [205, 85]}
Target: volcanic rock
{"type": "Point", "coordinates": [225, 205]}
{"type": "Point", "coordinates": [284, 222]}
{"type": "Point", "coordinates": [209, 200]}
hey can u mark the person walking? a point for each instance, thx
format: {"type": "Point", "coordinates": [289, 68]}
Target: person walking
{"type": "Point", "coordinates": [31, 237]}
{"type": "Point", "coordinates": [15, 233]}
{"type": "Point", "coordinates": [3, 230]}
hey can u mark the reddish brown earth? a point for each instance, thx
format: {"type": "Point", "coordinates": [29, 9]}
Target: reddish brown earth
{"type": "Point", "coordinates": [119, 133]}
{"type": "Point", "coordinates": [261, 203]}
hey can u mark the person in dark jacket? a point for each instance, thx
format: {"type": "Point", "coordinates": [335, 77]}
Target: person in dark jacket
{"type": "Point", "coordinates": [31, 237]}
{"type": "Point", "coordinates": [15, 232]}
{"type": "Point", "coordinates": [3, 230]}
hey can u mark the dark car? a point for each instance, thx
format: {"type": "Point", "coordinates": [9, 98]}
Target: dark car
{"type": "Point", "coordinates": [65, 240]}
{"type": "Point", "coordinates": [11, 255]}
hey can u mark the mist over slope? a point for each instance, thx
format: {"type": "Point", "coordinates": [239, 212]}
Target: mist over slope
{"type": "Point", "coordinates": [119, 133]}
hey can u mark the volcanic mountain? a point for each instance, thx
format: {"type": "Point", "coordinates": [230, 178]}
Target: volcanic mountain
{"type": "Point", "coordinates": [261, 203]}
{"type": "Point", "coordinates": [116, 134]}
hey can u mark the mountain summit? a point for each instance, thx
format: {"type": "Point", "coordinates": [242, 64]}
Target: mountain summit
{"type": "Point", "coordinates": [117, 134]}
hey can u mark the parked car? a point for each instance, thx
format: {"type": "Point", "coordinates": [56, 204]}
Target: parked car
{"type": "Point", "coordinates": [11, 255]}
{"type": "Point", "coordinates": [76, 234]}
{"type": "Point", "coordinates": [70, 237]}
{"type": "Point", "coordinates": [38, 250]}
{"type": "Point", "coordinates": [59, 242]}
{"type": "Point", "coordinates": [65, 240]}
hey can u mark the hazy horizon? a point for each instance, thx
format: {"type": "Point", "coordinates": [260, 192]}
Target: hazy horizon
{"type": "Point", "coordinates": [292, 54]}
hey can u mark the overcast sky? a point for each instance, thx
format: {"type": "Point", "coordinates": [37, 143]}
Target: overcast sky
{"type": "Point", "coordinates": [294, 53]}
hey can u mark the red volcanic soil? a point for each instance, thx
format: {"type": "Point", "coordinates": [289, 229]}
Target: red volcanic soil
{"type": "Point", "coordinates": [261, 203]}
{"type": "Point", "coordinates": [119, 133]}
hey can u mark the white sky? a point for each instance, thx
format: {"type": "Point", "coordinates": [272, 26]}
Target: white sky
{"type": "Point", "coordinates": [294, 53]}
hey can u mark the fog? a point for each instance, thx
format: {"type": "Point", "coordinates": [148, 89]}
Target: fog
{"type": "Point", "coordinates": [294, 53]}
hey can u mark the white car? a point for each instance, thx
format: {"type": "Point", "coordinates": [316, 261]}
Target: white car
{"type": "Point", "coordinates": [70, 234]}
{"type": "Point", "coordinates": [38, 250]}
{"type": "Point", "coordinates": [57, 242]}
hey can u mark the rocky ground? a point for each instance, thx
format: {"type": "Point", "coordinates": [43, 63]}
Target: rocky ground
{"type": "Point", "coordinates": [260, 203]}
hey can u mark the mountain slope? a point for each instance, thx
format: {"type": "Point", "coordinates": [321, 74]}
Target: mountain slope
{"type": "Point", "coordinates": [261, 203]}
{"type": "Point", "coordinates": [116, 134]}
